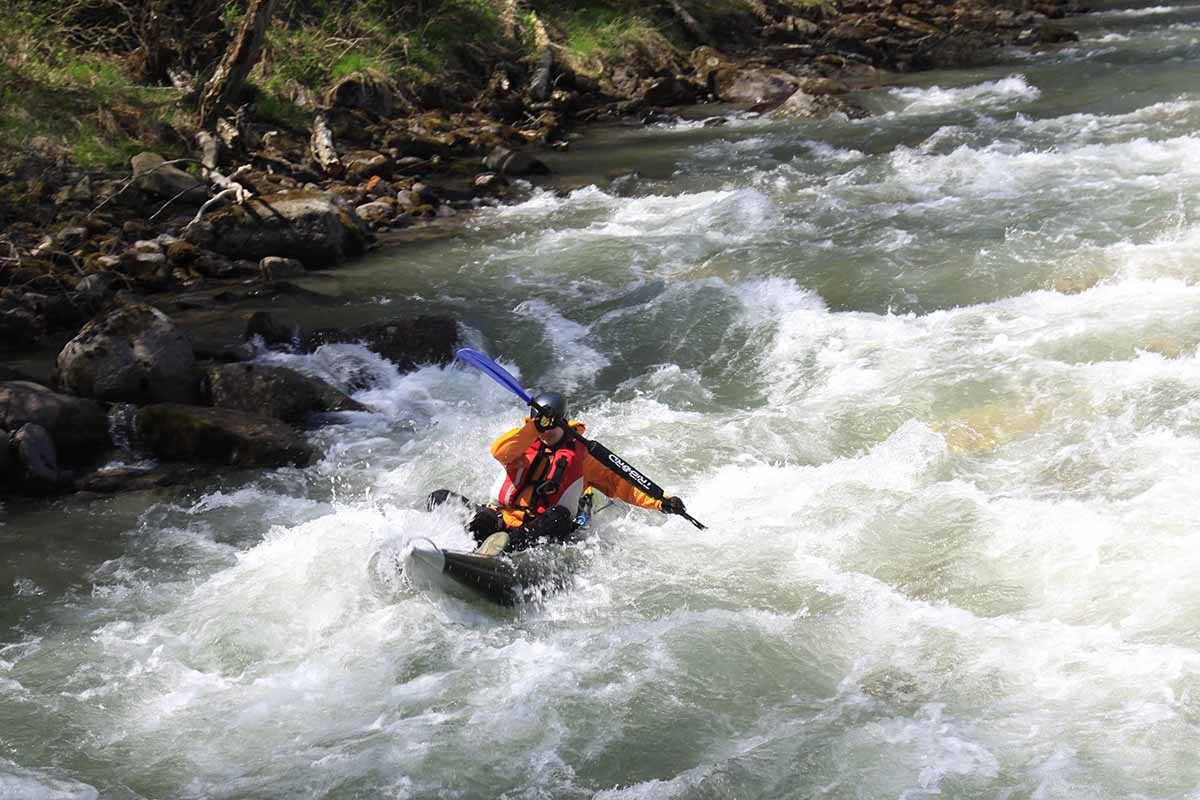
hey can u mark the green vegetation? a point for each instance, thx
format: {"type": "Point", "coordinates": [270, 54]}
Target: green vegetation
{"type": "Point", "coordinates": [70, 74]}
{"type": "Point", "coordinates": [80, 102]}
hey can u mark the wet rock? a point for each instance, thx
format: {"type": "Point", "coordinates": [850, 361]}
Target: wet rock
{"type": "Point", "coordinates": [316, 228]}
{"type": "Point", "coordinates": [490, 183]}
{"type": "Point", "coordinates": [271, 331]}
{"type": "Point", "coordinates": [35, 454]}
{"type": "Point", "coordinates": [219, 435]}
{"type": "Point", "coordinates": [275, 391]}
{"type": "Point", "coordinates": [111, 480]}
{"type": "Point", "coordinates": [672, 91]}
{"type": "Point", "coordinates": [133, 354]}
{"type": "Point", "coordinates": [151, 176]}
{"type": "Point", "coordinates": [376, 213]}
{"type": "Point", "coordinates": [513, 162]}
{"type": "Point", "coordinates": [803, 105]}
{"type": "Point", "coordinates": [407, 343]}
{"type": "Point", "coordinates": [363, 164]}
{"type": "Point", "coordinates": [79, 427]}
{"type": "Point", "coordinates": [274, 268]}
{"type": "Point", "coordinates": [752, 86]}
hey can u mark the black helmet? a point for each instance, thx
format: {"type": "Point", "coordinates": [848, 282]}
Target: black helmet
{"type": "Point", "coordinates": [551, 401]}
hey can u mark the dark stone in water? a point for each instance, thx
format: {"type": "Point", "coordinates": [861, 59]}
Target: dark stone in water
{"type": "Point", "coordinates": [407, 343]}
{"type": "Point", "coordinates": [275, 391]}
{"type": "Point", "coordinates": [218, 435]}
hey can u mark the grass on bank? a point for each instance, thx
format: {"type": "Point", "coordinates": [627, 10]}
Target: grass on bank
{"type": "Point", "coordinates": [82, 103]}
{"type": "Point", "coordinates": [85, 103]}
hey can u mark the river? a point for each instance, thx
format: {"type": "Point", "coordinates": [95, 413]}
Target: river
{"type": "Point", "coordinates": [931, 377]}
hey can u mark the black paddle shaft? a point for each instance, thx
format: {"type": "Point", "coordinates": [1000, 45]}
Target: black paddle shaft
{"type": "Point", "coordinates": [630, 473]}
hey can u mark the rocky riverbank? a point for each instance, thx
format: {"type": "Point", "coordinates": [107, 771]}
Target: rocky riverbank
{"type": "Point", "coordinates": [105, 259]}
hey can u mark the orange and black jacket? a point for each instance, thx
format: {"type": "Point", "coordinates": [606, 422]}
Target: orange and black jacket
{"type": "Point", "coordinates": [517, 451]}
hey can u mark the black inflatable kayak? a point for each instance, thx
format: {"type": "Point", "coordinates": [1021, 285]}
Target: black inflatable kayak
{"type": "Point", "coordinates": [507, 579]}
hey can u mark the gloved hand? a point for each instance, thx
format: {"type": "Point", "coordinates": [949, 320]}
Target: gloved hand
{"type": "Point", "coordinates": [673, 505]}
{"type": "Point", "coordinates": [544, 420]}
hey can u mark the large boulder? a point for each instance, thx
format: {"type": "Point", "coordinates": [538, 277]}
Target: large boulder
{"type": "Point", "coordinates": [79, 427]}
{"type": "Point", "coordinates": [219, 435]}
{"type": "Point", "coordinates": [154, 176]}
{"type": "Point", "coordinates": [407, 343]}
{"type": "Point", "coordinates": [134, 354]}
{"type": "Point", "coordinates": [753, 85]}
{"type": "Point", "coordinates": [275, 391]}
{"type": "Point", "coordinates": [314, 227]}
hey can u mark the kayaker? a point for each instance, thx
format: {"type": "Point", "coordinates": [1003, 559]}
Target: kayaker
{"type": "Point", "coordinates": [546, 470]}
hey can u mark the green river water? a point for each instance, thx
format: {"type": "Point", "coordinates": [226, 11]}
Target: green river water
{"type": "Point", "coordinates": [931, 377]}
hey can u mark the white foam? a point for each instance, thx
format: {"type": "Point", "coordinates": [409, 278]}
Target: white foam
{"type": "Point", "coordinates": [987, 96]}
{"type": "Point", "coordinates": [575, 362]}
{"type": "Point", "coordinates": [19, 783]}
{"type": "Point", "coordinates": [1149, 11]}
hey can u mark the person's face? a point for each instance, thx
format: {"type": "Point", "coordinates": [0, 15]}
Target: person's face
{"type": "Point", "coordinates": [551, 437]}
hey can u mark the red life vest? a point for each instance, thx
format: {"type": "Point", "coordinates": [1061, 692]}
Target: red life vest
{"type": "Point", "coordinates": [557, 470]}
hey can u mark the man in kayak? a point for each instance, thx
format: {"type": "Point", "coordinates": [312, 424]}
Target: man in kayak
{"type": "Point", "coordinates": [546, 470]}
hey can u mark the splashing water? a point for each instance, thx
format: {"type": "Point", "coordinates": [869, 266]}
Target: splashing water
{"type": "Point", "coordinates": [932, 378]}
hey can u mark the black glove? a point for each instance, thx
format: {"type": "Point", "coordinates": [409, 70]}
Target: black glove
{"type": "Point", "coordinates": [544, 420]}
{"type": "Point", "coordinates": [673, 505]}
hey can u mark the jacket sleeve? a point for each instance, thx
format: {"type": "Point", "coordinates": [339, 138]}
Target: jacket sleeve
{"type": "Point", "coordinates": [607, 482]}
{"type": "Point", "coordinates": [512, 445]}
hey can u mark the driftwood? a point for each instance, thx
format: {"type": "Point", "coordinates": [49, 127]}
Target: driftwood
{"type": "Point", "coordinates": [210, 149]}
{"type": "Point", "coordinates": [240, 58]}
{"type": "Point", "coordinates": [323, 150]}
{"type": "Point", "coordinates": [231, 190]}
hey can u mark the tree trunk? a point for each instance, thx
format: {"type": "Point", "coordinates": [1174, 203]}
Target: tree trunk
{"type": "Point", "coordinates": [693, 27]}
{"type": "Point", "coordinates": [240, 58]}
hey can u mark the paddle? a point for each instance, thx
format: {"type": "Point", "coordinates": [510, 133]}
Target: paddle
{"type": "Point", "coordinates": [608, 458]}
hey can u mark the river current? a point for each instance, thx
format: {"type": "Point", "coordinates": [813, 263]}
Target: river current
{"type": "Point", "coordinates": [931, 377]}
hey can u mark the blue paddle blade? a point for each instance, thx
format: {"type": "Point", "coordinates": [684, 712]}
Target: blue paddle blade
{"type": "Point", "coordinates": [494, 371]}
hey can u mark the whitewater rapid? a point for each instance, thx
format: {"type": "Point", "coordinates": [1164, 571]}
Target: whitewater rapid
{"type": "Point", "coordinates": [931, 377]}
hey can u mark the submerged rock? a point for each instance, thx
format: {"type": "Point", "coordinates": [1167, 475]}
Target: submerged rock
{"type": "Point", "coordinates": [134, 354]}
{"type": "Point", "coordinates": [407, 343]}
{"type": "Point", "coordinates": [219, 435]}
{"type": "Point", "coordinates": [274, 268]}
{"type": "Point", "coordinates": [275, 391]}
